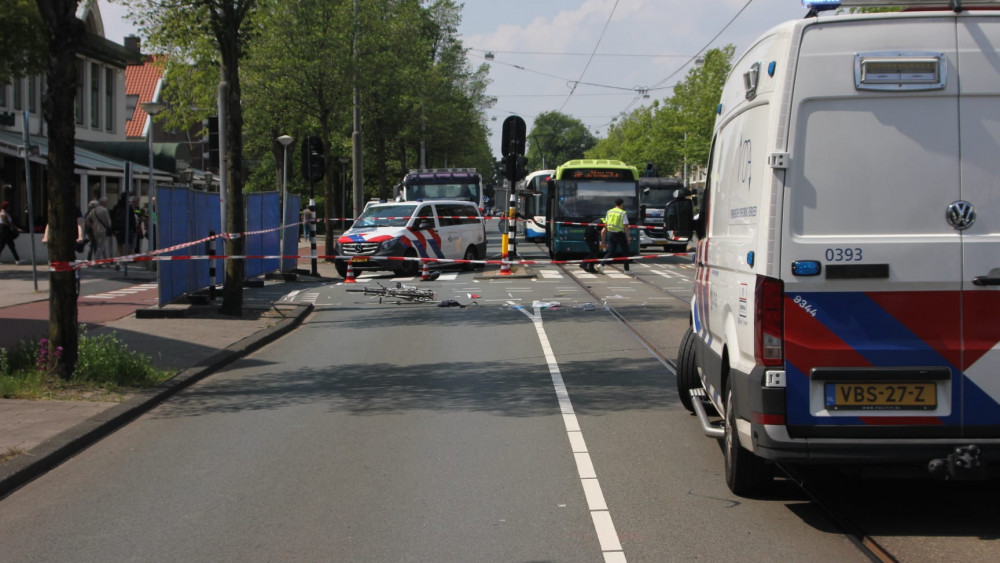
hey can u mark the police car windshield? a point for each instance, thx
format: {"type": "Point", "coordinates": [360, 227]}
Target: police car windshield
{"type": "Point", "coordinates": [394, 215]}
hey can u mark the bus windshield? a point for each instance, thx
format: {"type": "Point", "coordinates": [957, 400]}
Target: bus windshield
{"type": "Point", "coordinates": [657, 197]}
{"type": "Point", "coordinates": [459, 191]}
{"type": "Point", "coordinates": [589, 199]}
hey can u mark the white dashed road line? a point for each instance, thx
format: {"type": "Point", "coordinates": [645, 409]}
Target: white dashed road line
{"type": "Point", "coordinates": [604, 526]}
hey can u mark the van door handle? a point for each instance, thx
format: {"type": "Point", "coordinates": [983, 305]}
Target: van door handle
{"type": "Point", "coordinates": [985, 280]}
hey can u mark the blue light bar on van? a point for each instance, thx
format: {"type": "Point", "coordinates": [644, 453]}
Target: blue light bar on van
{"type": "Point", "coordinates": [820, 5]}
{"type": "Point", "coordinates": [806, 267]}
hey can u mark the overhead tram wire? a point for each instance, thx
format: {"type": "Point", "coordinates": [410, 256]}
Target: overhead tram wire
{"type": "Point", "coordinates": [603, 31]}
{"type": "Point", "coordinates": [710, 41]}
{"type": "Point", "coordinates": [659, 84]}
{"type": "Point", "coordinates": [555, 53]}
{"type": "Point", "coordinates": [564, 79]}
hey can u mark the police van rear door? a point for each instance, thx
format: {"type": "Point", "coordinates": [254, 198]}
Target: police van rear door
{"type": "Point", "coordinates": [976, 216]}
{"type": "Point", "coordinates": [872, 338]}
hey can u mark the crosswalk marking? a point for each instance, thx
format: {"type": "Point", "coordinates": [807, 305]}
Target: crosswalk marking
{"type": "Point", "coordinates": [123, 292]}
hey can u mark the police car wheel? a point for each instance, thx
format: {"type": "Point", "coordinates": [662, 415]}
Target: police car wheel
{"type": "Point", "coordinates": [746, 474]}
{"type": "Point", "coordinates": [470, 254]}
{"type": "Point", "coordinates": [341, 267]}
{"type": "Point", "coordinates": [687, 370]}
{"type": "Point", "coordinates": [409, 268]}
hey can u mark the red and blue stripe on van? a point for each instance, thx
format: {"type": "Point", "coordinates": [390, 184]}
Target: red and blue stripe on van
{"type": "Point", "coordinates": [896, 329]}
{"type": "Point", "coordinates": [422, 240]}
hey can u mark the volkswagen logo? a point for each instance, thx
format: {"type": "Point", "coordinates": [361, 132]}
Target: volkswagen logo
{"type": "Point", "coordinates": [358, 248]}
{"type": "Point", "coordinates": [961, 215]}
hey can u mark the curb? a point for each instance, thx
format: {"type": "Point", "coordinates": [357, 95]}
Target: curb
{"type": "Point", "coordinates": [52, 452]}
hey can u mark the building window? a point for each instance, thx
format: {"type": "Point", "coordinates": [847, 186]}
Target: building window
{"type": "Point", "coordinates": [131, 100]}
{"type": "Point", "coordinates": [95, 95]}
{"type": "Point", "coordinates": [19, 94]}
{"type": "Point", "coordinates": [80, 77]}
{"type": "Point", "coordinates": [33, 94]}
{"type": "Point", "coordinates": [109, 99]}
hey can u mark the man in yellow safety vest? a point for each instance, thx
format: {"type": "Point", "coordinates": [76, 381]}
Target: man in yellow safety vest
{"type": "Point", "coordinates": [615, 233]}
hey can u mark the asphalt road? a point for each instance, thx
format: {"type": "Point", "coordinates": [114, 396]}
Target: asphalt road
{"type": "Point", "coordinates": [508, 430]}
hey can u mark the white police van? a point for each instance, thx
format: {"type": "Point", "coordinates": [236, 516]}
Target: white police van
{"type": "Point", "coordinates": [846, 307]}
{"type": "Point", "coordinates": [396, 236]}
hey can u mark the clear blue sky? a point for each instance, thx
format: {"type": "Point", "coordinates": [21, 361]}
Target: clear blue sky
{"type": "Point", "coordinates": [541, 47]}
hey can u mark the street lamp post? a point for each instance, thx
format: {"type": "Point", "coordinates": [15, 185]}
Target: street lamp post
{"type": "Point", "coordinates": [343, 190]}
{"type": "Point", "coordinates": [285, 140]}
{"type": "Point", "coordinates": [151, 109]}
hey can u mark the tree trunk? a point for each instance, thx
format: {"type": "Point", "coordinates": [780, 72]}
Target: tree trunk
{"type": "Point", "coordinates": [232, 290]}
{"type": "Point", "coordinates": [65, 33]}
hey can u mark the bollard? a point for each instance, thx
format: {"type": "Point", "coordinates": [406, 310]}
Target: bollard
{"type": "Point", "coordinates": [211, 266]}
{"type": "Point", "coordinates": [311, 225]}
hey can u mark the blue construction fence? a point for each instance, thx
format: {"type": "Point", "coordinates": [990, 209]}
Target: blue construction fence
{"type": "Point", "coordinates": [184, 215]}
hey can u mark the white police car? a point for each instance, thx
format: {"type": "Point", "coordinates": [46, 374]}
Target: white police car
{"type": "Point", "coordinates": [396, 236]}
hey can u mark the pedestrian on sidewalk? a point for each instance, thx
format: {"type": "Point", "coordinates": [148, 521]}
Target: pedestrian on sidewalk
{"type": "Point", "coordinates": [308, 216]}
{"type": "Point", "coordinates": [616, 232]}
{"type": "Point", "coordinates": [8, 231]}
{"type": "Point", "coordinates": [100, 225]}
{"type": "Point", "coordinates": [123, 224]}
{"type": "Point", "coordinates": [88, 229]}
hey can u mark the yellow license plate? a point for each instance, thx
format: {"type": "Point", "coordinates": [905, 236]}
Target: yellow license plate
{"type": "Point", "coordinates": [881, 396]}
{"type": "Point", "coordinates": [359, 259]}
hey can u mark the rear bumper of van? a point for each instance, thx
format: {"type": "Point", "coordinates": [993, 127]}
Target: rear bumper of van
{"type": "Point", "coordinates": [774, 443]}
{"type": "Point", "coordinates": [837, 444]}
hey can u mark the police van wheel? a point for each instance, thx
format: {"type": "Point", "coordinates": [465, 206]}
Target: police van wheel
{"type": "Point", "coordinates": [409, 268]}
{"type": "Point", "coordinates": [341, 267]}
{"type": "Point", "coordinates": [687, 370]}
{"type": "Point", "coordinates": [470, 254]}
{"type": "Point", "coordinates": [746, 474]}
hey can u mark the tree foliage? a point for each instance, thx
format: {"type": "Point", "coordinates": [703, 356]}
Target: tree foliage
{"type": "Point", "coordinates": [676, 130]}
{"type": "Point", "coordinates": [416, 86]}
{"type": "Point", "coordinates": [556, 138]}
{"type": "Point", "coordinates": [23, 45]}
{"type": "Point", "coordinates": [193, 31]}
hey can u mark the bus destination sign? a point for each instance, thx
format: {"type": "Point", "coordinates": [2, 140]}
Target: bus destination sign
{"type": "Point", "coordinates": [598, 174]}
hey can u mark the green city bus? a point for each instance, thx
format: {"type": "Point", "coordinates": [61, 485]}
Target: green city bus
{"type": "Point", "coordinates": [581, 192]}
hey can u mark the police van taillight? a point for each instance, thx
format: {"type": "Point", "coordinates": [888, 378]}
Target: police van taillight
{"type": "Point", "coordinates": [769, 324]}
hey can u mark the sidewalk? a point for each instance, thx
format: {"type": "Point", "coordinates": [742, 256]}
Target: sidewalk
{"type": "Point", "coordinates": [39, 435]}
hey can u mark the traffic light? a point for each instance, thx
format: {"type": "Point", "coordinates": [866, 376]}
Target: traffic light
{"type": "Point", "coordinates": [313, 164]}
{"type": "Point", "coordinates": [514, 167]}
{"type": "Point", "coordinates": [512, 136]}
{"type": "Point", "coordinates": [210, 150]}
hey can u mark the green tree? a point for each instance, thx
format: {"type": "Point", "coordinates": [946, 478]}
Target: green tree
{"type": "Point", "coordinates": [298, 83]}
{"type": "Point", "coordinates": [641, 138]}
{"type": "Point", "coordinates": [559, 138]}
{"type": "Point", "coordinates": [186, 27]}
{"type": "Point", "coordinates": [65, 35]}
{"type": "Point", "coordinates": [23, 43]}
